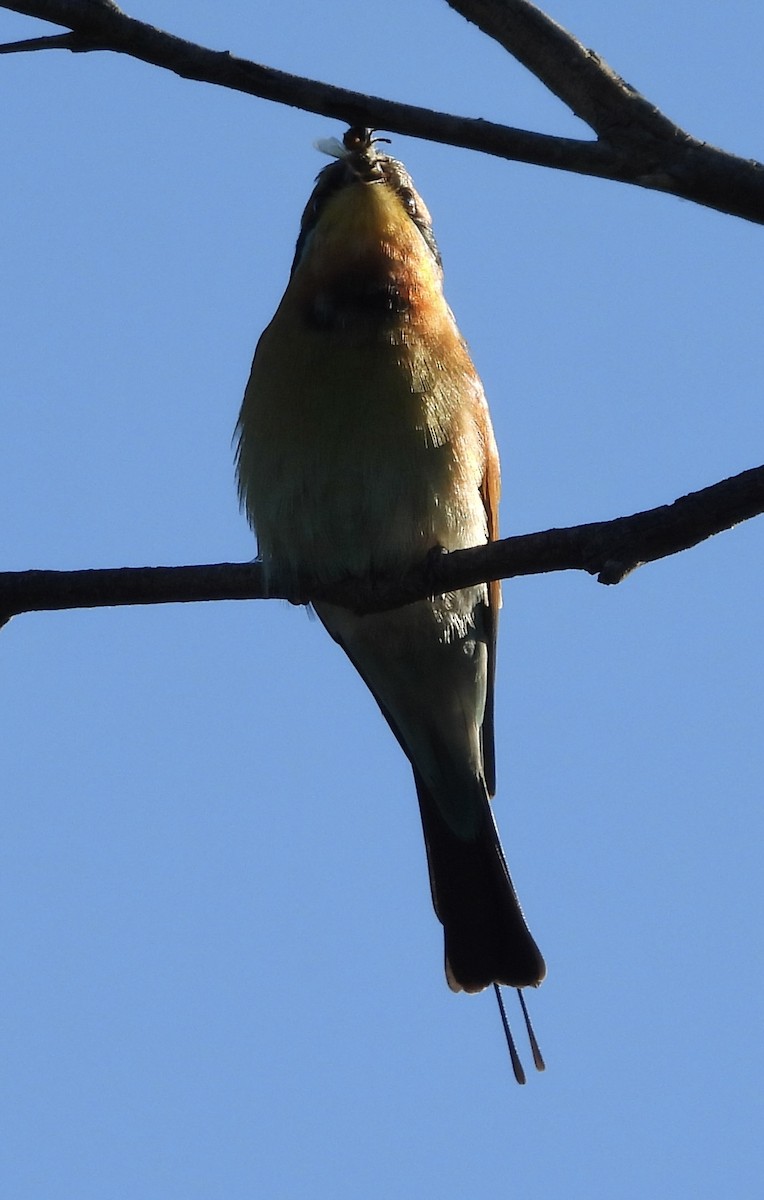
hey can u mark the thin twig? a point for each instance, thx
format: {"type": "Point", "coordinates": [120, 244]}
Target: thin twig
{"type": "Point", "coordinates": [60, 41]}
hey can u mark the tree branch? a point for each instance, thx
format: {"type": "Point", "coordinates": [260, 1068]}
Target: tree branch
{"type": "Point", "coordinates": [608, 549]}
{"type": "Point", "coordinates": [577, 76]}
{"type": "Point", "coordinates": [636, 145]}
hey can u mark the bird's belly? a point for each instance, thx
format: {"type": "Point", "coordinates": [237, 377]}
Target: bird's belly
{"type": "Point", "coordinates": [365, 469]}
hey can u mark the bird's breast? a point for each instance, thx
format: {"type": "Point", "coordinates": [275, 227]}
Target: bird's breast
{"type": "Point", "coordinates": [361, 444]}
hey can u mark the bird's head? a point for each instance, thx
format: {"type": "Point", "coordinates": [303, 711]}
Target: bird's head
{"type": "Point", "coordinates": [366, 249]}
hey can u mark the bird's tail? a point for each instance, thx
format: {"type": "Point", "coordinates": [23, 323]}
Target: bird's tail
{"type": "Point", "coordinates": [487, 939]}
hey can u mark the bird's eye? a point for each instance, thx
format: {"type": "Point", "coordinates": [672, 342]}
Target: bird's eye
{"type": "Point", "coordinates": [408, 200]}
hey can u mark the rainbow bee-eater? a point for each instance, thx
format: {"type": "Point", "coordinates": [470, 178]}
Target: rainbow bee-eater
{"type": "Point", "coordinates": [364, 442]}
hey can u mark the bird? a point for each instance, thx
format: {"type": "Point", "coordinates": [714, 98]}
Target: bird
{"type": "Point", "coordinates": [364, 443]}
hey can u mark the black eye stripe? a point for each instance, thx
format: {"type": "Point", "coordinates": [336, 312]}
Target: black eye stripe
{"type": "Point", "coordinates": [408, 200]}
{"type": "Point", "coordinates": [329, 181]}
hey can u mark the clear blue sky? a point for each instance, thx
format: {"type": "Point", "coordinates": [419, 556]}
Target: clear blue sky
{"type": "Point", "coordinates": [221, 975]}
